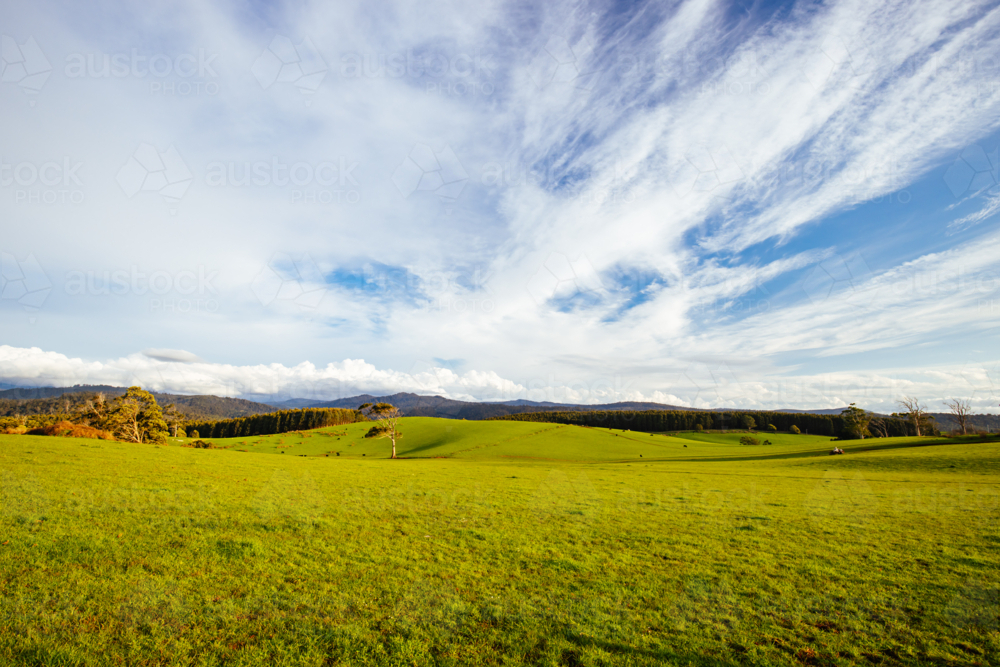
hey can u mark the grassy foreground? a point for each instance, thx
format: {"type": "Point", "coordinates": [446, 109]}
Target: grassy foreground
{"type": "Point", "coordinates": [528, 544]}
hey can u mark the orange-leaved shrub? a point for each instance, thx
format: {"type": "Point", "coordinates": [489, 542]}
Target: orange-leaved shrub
{"type": "Point", "coordinates": [68, 429]}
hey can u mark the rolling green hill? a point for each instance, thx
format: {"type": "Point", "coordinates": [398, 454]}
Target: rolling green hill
{"type": "Point", "coordinates": [429, 437]}
{"type": "Point", "coordinates": [500, 543]}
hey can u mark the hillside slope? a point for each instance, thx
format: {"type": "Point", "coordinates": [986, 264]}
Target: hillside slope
{"type": "Point", "coordinates": [428, 437]}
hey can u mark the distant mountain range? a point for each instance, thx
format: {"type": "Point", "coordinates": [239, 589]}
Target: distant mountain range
{"type": "Point", "coordinates": [39, 400]}
{"type": "Point", "coordinates": [437, 406]}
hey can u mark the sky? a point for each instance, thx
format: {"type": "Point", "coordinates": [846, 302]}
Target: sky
{"type": "Point", "coordinates": [699, 203]}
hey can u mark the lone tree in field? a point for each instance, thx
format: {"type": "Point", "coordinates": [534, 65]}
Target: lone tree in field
{"type": "Point", "coordinates": [856, 419]}
{"type": "Point", "coordinates": [913, 411]}
{"type": "Point", "coordinates": [960, 410]}
{"type": "Point", "coordinates": [386, 417]}
{"type": "Point", "coordinates": [749, 423]}
{"type": "Point", "coordinates": [135, 417]}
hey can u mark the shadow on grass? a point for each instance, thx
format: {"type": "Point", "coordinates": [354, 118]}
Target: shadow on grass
{"type": "Point", "coordinates": [442, 439]}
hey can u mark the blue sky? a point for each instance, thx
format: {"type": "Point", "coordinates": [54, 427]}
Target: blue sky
{"type": "Point", "coordinates": [700, 203]}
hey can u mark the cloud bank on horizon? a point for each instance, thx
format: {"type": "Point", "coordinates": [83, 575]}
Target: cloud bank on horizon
{"type": "Point", "coordinates": [695, 202]}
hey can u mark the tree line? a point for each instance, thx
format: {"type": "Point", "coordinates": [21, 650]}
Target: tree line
{"type": "Point", "coordinates": [14, 403]}
{"type": "Point", "coordinates": [66, 404]}
{"type": "Point", "coordinates": [131, 417]}
{"type": "Point", "coordinates": [273, 422]}
{"type": "Point", "coordinates": [135, 416]}
{"type": "Point", "coordinates": [834, 426]}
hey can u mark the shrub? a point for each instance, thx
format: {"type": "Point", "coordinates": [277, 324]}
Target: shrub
{"type": "Point", "coordinates": [749, 440]}
{"type": "Point", "coordinates": [70, 430]}
{"type": "Point", "coordinates": [201, 444]}
{"type": "Point", "coordinates": [194, 434]}
{"type": "Point", "coordinates": [772, 428]}
{"type": "Point", "coordinates": [699, 428]}
{"type": "Point", "coordinates": [795, 429]}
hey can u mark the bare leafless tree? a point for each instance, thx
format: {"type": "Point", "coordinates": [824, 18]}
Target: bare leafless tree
{"type": "Point", "coordinates": [914, 411]}
{"type": "Point", "coordinates": [94, 411]}
{"type": "Point", "coordinates": [961, 411]}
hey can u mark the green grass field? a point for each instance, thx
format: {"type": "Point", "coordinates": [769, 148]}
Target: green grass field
{"type": "Point", "coordinates": [500, 543]}
{"type": "Point", "coordinates": [426, 437]}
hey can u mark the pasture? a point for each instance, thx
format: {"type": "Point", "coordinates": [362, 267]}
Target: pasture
{"type": "Point", "coordinates": [500, 543]}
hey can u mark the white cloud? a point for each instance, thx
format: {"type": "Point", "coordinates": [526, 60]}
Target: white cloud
{"type": "Point", "coordinates": [989, 209]}
{"type": "Point", "coordinates": [703, 384]}
{"type": "Point", "coordinates": [668, 147]}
